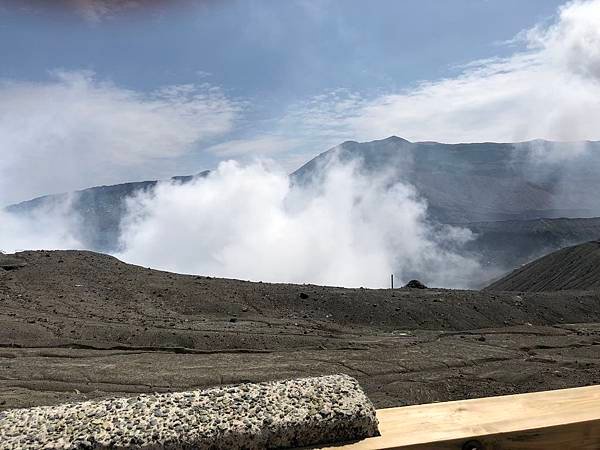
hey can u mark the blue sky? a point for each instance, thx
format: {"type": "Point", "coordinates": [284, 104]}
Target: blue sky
{"type": "Point", "coordinates": [274, 50]}
{"type": "Point", "coordinates": [108, 95]}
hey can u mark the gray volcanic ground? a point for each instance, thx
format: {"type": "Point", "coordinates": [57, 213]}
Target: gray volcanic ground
{"type": "Point", "coordinates": [77, 325]}
{"type": "Point", "coordinates": [571, 268]}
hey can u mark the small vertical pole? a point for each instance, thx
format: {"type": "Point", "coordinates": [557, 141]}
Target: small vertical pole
{"type": "Point", "coordinates": [392, 279]}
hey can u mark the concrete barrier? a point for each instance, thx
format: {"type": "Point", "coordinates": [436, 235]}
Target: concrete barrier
{"type": "Point", "coordinates": [278, 414]}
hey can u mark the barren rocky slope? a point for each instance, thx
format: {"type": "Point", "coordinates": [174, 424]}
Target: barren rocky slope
{"type": "Point", "coordinates": [483, 181]}
{"type": "Point", "coordinates": [77, 325]}
{"type": "Point", "coordinates": [576, 267]}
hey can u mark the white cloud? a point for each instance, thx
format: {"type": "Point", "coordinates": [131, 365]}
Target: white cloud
{"type": "Point", "coordinates": [549, 90]}
{"type": "Point", "coordinates": [76, 131]}
{"type": "Point", "coordinates": [249, 222]}
{"type": "Point", "coordinates": [573, 43]}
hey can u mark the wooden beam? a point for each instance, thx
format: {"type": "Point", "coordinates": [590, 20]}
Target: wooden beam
{"type": "Point", "coordinates": [567, 419]}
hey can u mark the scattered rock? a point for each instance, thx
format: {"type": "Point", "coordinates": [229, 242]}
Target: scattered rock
{"type": "Point", "coordinates": [11, 262]}
{"type": "Point", "coordinates": [415, 284]}
{"type": "Point", "coordinates": [303, 295]}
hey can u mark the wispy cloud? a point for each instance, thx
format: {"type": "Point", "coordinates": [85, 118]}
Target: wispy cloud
{"type": "Point", "coordinates": [549, 88]}
{"type": "Point", "coordinates": [76, 130]}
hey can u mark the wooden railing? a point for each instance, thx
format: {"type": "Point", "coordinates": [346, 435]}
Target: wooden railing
{"type": "Point", "coordinates": [567, 419]}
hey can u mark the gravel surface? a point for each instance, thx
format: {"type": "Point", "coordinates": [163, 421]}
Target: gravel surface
{"type": "Point", "coordinates": [278, 414]}
{"type": "Point", "coordinates": [77, 326]}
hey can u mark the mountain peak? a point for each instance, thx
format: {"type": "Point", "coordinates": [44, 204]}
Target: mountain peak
{"type": "Point", "coordinates": [388, 140]}
{"type": "Point", "coordinates": [395, 139]}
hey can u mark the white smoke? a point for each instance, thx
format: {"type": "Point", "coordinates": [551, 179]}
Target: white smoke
{"type": "Point", "coordinates": [251, 223]}
{"type": "Point", "coordinates": [45, 227]}
{"type": "Point", "coordinates": [573, 42]}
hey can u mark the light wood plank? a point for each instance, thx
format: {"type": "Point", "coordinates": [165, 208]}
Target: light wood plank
{"type": "Point", "coordinates": [562, 420]}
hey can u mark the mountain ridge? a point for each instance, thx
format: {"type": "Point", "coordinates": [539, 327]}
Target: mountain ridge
{"type": "Point", "coordinates": [477, 182]}
{"type": "Point", "coordinates": [100, 208]}
{"type": "Point", "coordinates": [494, 189]}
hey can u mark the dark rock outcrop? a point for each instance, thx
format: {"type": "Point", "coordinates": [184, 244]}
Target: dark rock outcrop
{"type": "Point", "coordinates": [11, 262]}
{"type": "Point", "coordinates": [415, 284]}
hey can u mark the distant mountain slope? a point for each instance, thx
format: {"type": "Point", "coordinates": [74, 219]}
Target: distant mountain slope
{"type": "Point", "coordinates": [571, 268]}
{"type": "Point", "coordinates": [510, 200]}
{"type": "Point", "coordinates": [482, 181]}
{"type": "Point", "coordinates": [509, 244]}
{"type": "Point", "coordinates": [100, 209]}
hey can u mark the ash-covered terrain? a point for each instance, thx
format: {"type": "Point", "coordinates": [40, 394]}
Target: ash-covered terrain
{"type": "Point", "coordinates": [76, 325]}
{"type": "Point", "coordinates": [571, 268]}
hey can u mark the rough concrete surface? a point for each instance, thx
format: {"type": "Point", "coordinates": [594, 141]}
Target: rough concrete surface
{"type": "Point", "coordinates": [279, 414]}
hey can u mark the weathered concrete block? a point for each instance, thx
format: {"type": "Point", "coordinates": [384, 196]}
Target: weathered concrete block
{"type": "Point", "coordinates": [278, 414]}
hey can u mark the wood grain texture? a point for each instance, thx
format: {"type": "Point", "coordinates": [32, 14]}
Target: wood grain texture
{"type": "Point", "coordinates": [562, 420]}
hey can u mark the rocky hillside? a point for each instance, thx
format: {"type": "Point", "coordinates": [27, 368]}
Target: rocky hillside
{"type": "Point", "coordinates": [79, 325]}
{"type": "Point", "coordinates": [572, 268]}
{"type": "Point", "coordinates": [477, 182]}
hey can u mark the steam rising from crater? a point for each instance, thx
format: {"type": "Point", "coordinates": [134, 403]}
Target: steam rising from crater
{"type": "Point", "coordinates": [251, 223]}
